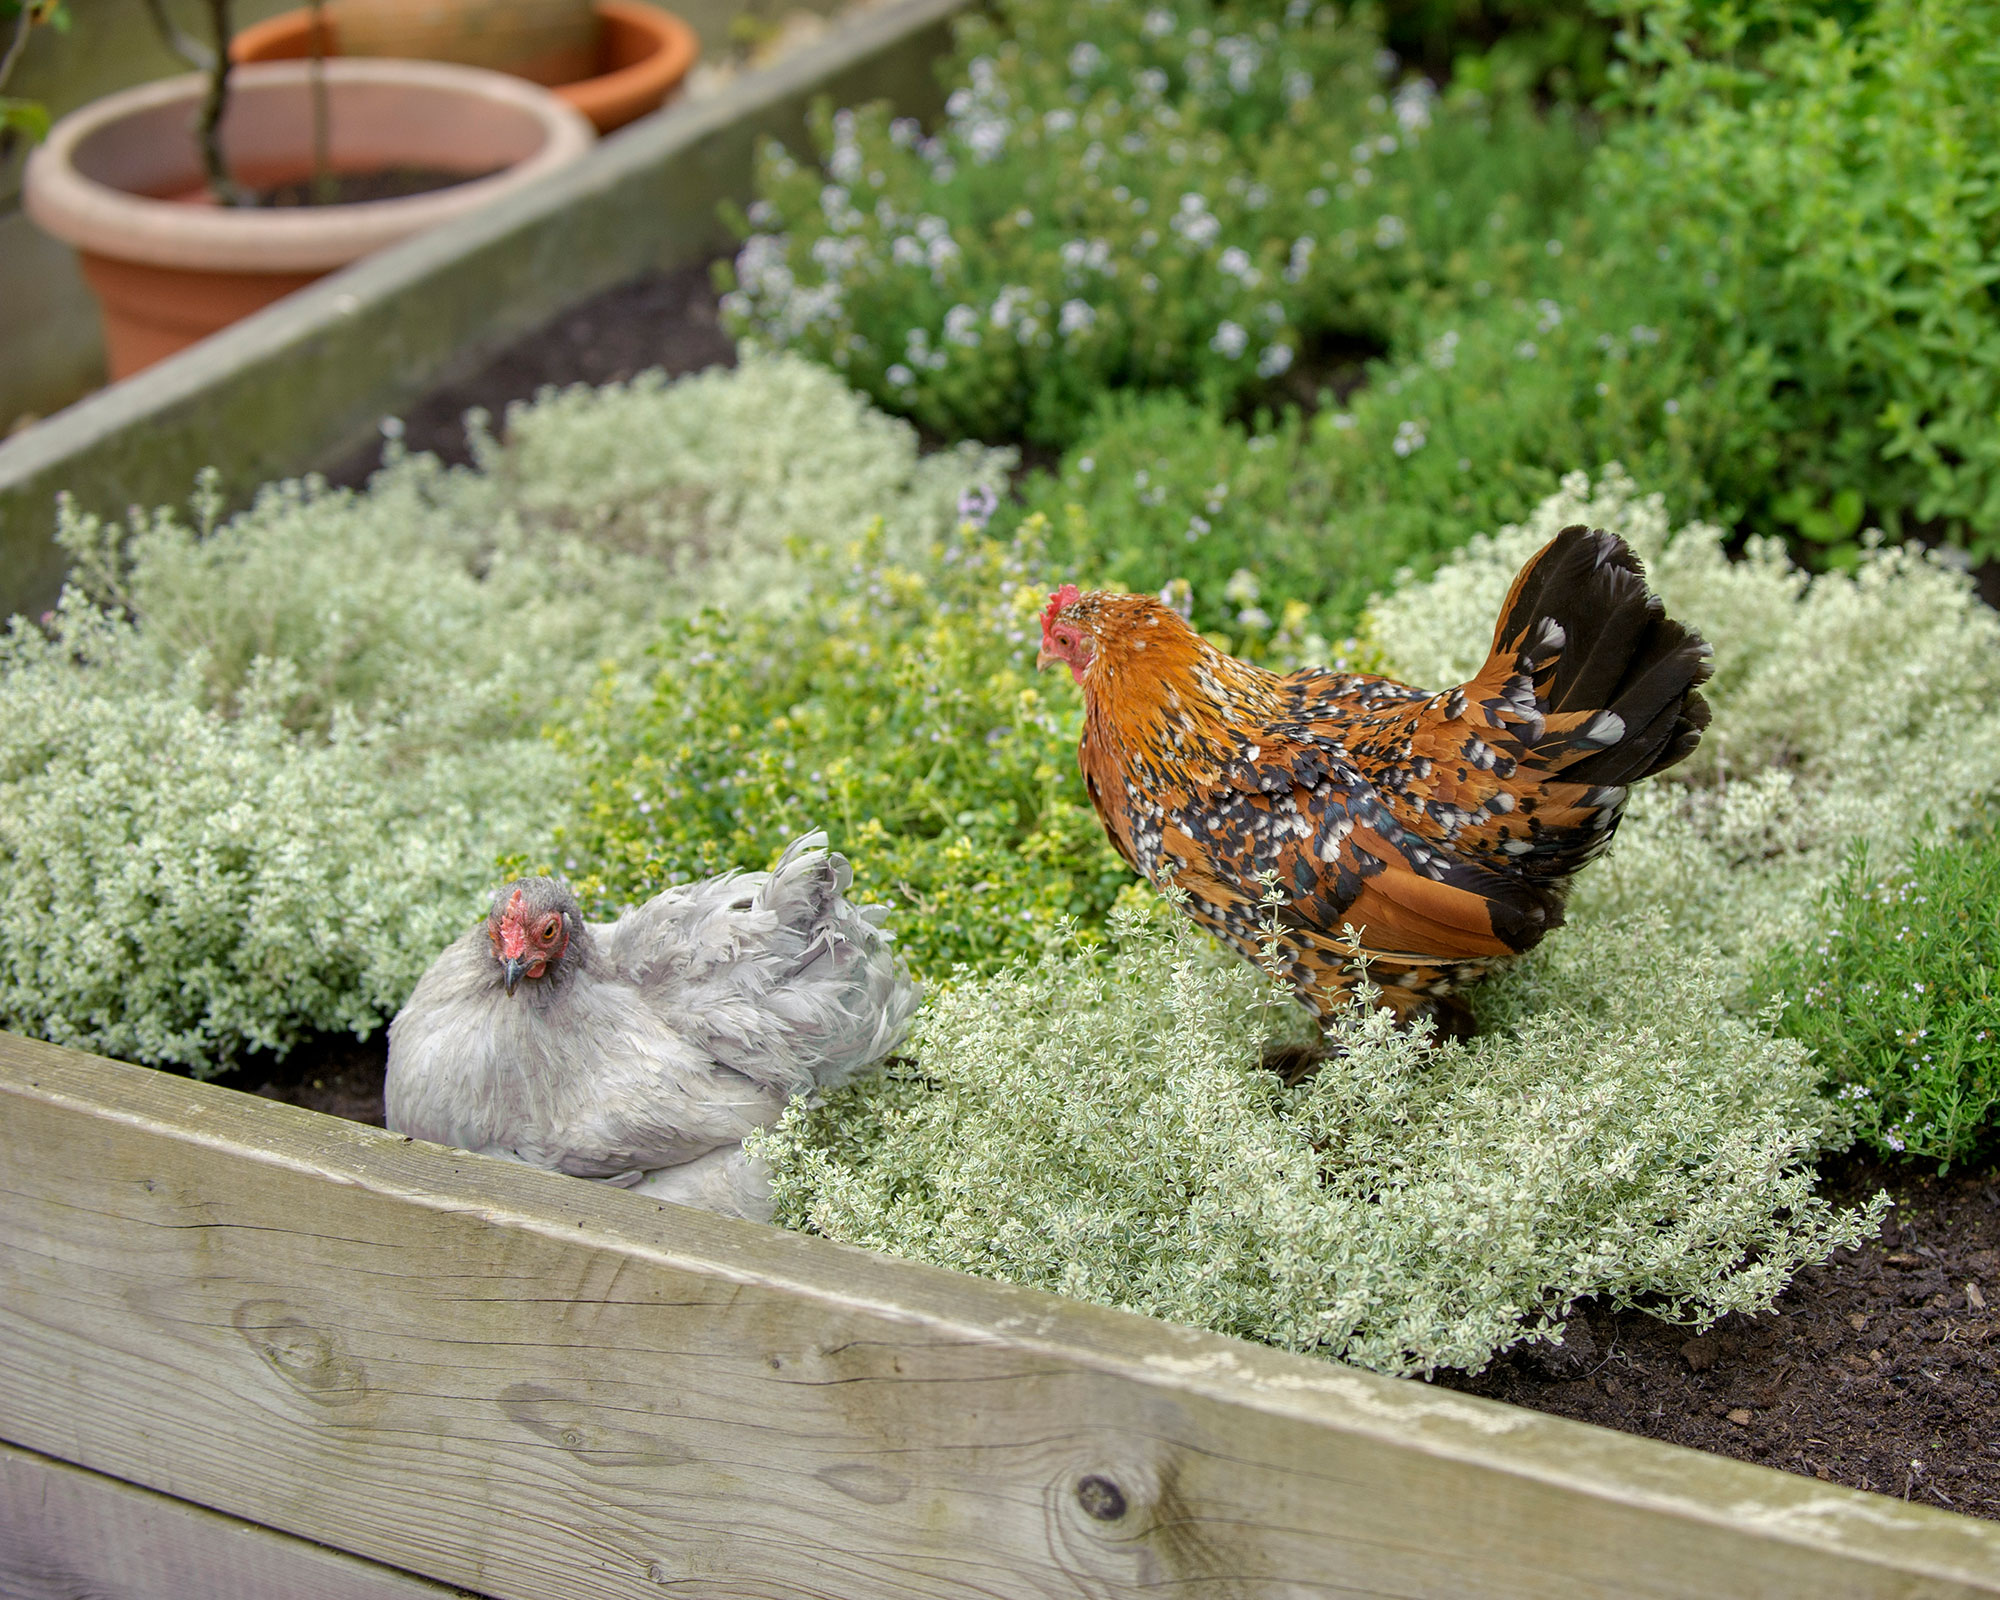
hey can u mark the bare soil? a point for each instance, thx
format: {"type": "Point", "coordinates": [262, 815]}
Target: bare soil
{"type": "Point", "coordinates": [352, 188]}
{"type": "Point", "coordinates": [668, 320]}
{"type": "Point", "coordinates": [1879, 1370]}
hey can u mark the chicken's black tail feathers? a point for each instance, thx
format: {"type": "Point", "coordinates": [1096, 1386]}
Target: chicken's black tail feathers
{"type": "Point", "coordinates": [1614, 675]}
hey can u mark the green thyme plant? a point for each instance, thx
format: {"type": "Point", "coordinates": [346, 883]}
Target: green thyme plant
{"type": "Point", "coordinates": [900, 710]}
{"type": "Point", "coordinates": [1898, 996]}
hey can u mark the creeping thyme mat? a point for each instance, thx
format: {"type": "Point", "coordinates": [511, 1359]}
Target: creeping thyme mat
{"type": "Point", "coordinates": [1106, 1129]}
{"type": "Point", "coordinates": [256, 772]}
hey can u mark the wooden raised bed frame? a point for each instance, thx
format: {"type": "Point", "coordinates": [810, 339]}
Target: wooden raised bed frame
{"type": "Point", "coordinates": [539, 1388]}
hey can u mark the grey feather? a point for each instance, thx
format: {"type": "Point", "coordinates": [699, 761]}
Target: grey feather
{"type": "Point", "coordinates": [659, 1038]}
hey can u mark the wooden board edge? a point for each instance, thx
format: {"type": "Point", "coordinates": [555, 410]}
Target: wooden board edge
{"type": "Point", "coordinates": [66, 1531]}
{"type": "Point", "coordinates": [1686, 1487]}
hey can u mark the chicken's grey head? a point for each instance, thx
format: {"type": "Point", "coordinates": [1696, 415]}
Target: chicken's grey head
{"type": "Point", "coordinates": [531, 925]}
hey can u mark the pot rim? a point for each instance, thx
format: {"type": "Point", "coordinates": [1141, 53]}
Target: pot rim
{"type": "Point", "coordinates": [610, 99]}
{"type": "Point", "coordinates": [107, 221]}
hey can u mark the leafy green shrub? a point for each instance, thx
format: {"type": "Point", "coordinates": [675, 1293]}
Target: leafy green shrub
{"type": "Point", "coordinates": [257, 773]}
{"type": "Point", "coordinates": [1104, 1129]}
{"type": "Point", "coordinates": [1473, 435]}
{"type": "Point", "coordinates": [1821, 205]}
{"type": "Point", "coordinates": [899, 709]}
{"type": "Point", "coordinates": [1899, 998]}
{"type": "Point", "coordinates": [1189, 196]}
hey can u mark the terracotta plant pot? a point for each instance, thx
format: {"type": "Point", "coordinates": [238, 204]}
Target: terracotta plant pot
{"type": "Point", "coordinates": [642, 55]}
{"type": "Point", "coordinates": [121, 180]}
{"type": "Point", "coordinates": [547, 41]}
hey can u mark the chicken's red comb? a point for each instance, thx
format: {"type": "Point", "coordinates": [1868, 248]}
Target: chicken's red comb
{"type": "Point", "coordinates": [1067, 595]}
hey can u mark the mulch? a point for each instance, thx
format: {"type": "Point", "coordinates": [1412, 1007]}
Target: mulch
{"type": "Point", "coordinates": [1879, 1370]}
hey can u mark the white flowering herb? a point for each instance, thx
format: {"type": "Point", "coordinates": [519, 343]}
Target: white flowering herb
{"type": "Point", "coordinates": [1107, 1129]}
{"type": "Point", "coordinates": [254, 775]}
{"type": "Point", "coordinates": [1114, 194]}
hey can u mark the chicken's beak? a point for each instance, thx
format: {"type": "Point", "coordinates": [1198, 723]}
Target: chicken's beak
{"type": "Point", "coordinates": [1045, 658]}
{"type": "Point", "coordinates": [510, 973]}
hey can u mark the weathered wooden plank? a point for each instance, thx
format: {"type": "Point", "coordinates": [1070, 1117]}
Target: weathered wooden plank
{"type": "Point", "coordinates": [542, 1389]}
{"type": "Point", "coordinates": [68, 1534]}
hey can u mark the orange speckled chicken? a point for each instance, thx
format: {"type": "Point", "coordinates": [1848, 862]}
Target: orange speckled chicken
{"type": "Point", "coordinates": [1443, 827]}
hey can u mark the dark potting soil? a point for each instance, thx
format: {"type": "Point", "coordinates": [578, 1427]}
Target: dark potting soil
{"type": "Point", "coordinates": [1879, 1370]}
{"type": "Point", "coordinates": [668, 320]}
{"type": "Point", "coordinates": [352, 188]}
{"type": "Point", "coordinates": [331, 1072]}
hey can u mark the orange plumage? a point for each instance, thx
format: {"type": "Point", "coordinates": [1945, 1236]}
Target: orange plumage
{"type": "Point", "coordinates": [1443, 827]}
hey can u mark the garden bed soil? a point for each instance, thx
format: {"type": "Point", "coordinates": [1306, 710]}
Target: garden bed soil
{"type": "Point", "coordinates": [668, 320]}
{"type": "Point", "coordinates": [1879, 1370]}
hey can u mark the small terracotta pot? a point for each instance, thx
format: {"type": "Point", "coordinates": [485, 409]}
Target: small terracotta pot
{"type": "Point", "coordinates": [642, 55]}
{"type": "Point", "coordinates": [121, 180]}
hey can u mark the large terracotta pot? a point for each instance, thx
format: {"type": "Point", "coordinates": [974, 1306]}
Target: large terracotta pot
{"type": "Point", "coordinates": [642, 54]}
{"type": "Point", "coordinates": [121, 180]}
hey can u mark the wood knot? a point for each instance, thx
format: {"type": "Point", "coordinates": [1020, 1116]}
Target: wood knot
{"type": "Point", "coordinates": [310, 1359]}
{"type": "Point", "coordinates": [1100, 1497]}
{"type": "Point", "coordinates": [594, 1434]}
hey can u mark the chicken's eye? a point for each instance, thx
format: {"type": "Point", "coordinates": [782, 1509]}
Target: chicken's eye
{"type": "Point", "coordinates": [551, 928]}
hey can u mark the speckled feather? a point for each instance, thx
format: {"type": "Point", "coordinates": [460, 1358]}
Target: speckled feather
{"type": "Point", "coordinates": [1443, 827]}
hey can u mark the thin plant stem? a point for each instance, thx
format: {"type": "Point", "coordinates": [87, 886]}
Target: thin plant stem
{"type": "Point", "coordinates": [322, 181]}
{"type": "Point", "coordinates": [18, 43]}
{"type": "Point", "coordinates": [215, 62]}
{"type": "Point", "coordinates": [214, 105]}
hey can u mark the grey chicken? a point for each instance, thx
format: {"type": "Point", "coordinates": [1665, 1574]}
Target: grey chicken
{"type": "Point", "coordinates": [643, 1050]}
